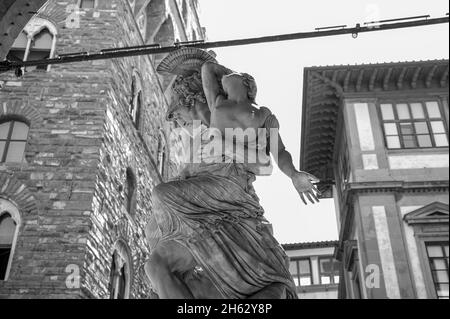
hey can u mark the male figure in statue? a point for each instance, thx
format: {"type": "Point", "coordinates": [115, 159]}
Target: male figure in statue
{"type": "Point", "coordinates": [208, 235]}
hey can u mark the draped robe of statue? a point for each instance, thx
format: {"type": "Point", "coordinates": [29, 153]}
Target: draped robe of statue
{"type": "Point", "coordinates": [215, 214]}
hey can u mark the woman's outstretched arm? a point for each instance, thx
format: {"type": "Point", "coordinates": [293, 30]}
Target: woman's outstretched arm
{"type": "Point", "coordinates": [303, 181]}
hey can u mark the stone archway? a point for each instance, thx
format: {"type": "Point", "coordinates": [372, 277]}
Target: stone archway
{"type": "Point", "coordinates": [14, 16]}
{"type": "Point", "coordinates": [14, 190]}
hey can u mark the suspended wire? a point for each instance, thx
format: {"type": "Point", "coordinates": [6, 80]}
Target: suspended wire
{"type": "Point", "coordinates": [374, 26]}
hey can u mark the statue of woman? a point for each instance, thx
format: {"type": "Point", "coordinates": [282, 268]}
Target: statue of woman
{"type": "Point", "coordinates": [208, 235]}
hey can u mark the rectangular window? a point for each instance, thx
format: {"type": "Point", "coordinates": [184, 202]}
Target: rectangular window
{"type": "Point", "coordinates": [356, 286]}
{"type": "Point", "coordinates": [343, 165]}
{"type": "Point", "coordinates": [438, 258]}
{"type": "Point", "coordinates": [300, 270]}
{"type": "Point", "coordinates": [329, 271]}
{"type": "Point", "coordinates": [87, 4]}
{"type": "Point", "coordinates": [414, 125]}
{"type": "Point", "coordinates": [13, 140]}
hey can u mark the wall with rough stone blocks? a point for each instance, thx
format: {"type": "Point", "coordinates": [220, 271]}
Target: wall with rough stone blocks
{"type": "Point", "coordinates": [70, 187]}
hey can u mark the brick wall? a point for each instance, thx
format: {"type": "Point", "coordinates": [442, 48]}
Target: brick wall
{"type": "Point", "coordinates": [70, 190]}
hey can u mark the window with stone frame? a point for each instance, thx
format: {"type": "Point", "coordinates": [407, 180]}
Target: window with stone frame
{"type": "Point", "coordinates": [185, 12]}
{"type": "Point", "coordinates": [36, 42]}
{"type": "Point", "coordinates": [343, 165]}
{"type": "Point", "coordinates": [328, 270]}
{"type": "Point", "coordinates": [356, 284]}
{"type": "Point", "coordinates": [353, 272]}
{"type": "Point", "coordinates": [141, 21]}
{"type": "Point", "coordinates": [13, 140]}
{"type": "Point", "coordinates": [132, 4]}
{"type": "Point", "coordinates": [438, 257]}
{"type": "Point", "coordinates": [430, 230]}
{"type": "Point", "coordinates": [300, 270]}
{"type": "Point", "coordinates": [9, 226]}
{"type": "Point", "coordinates": [418, 124]}
{"type": "Point", "coordinates": [7, 231]}
{"type": "Point", "coordinates": [19, 48]}
{"type": "Point", "coordinates": [130, 192]}
{"type": "Point", "coordinates": [87, 4]}
{"type": "Point", "coordinates": [161, 154]}
{"type": "Point", "coordinates": [136, 100]}
{"type": "Point", "coordinates": [120, 275]}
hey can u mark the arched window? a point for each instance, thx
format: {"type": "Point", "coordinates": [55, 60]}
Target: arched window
{"type": "Point", "coordinates": [130, 192]}
{"type": "Point", "coordinates": [13, 139]}
{"type": "Point", "coordinates": [185, 11]}
{"type": "Point", "coordinates": [161, 154]}
{"type": "Point", "coordinates": [136, 99]}
{"type": "Point", "coordinates": [120, 278]}
{"type": "Point", "coordinates": [141, 21]}
{"type": "Point", "coordinates": [165, 36]}
{"type": "Point", "coordinates": [87, 4]}
{"type": "Point", "coordinates": [18, 49]}
{"type": "Point", "coordinates": [41, 48]}
{"type": "Point", "coordinates": [132, 4]}
{"type": "Point", "coordinates": [9, 224]}
{"type": "Point", "coordinates": [156, 14]}
{"type": "Point", "coordinates": [37, 41]}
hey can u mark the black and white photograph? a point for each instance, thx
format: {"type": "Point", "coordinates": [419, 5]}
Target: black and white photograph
{"type": "Point", "coordinates": [224, 154]}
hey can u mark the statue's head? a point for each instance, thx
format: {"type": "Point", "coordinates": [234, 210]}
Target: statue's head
{"type": "Point", "coordinates": [187, 91]}
{"type": "Point", "coordinates": [240, 81]}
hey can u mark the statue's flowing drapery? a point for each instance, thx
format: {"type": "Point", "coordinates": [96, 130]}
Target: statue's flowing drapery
{"type": "Point", "coordinates": [215, 213]}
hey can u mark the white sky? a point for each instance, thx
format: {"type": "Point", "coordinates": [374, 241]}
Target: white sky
{"type": "Point", "coordinates": [278, 69]}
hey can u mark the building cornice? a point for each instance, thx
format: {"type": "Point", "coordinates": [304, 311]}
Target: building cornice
{"type": "Point", "coordinates": [325, 88]}
{"type": "Point", "coordinates": [310, 245]}
{"type": "Point", "coordinates": [398, 186]}
{"type": "Point", "coordinates": [354, 189]}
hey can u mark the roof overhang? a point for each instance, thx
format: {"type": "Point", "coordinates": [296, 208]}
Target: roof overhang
{"type": "Point", "coordinates": [324, 89]}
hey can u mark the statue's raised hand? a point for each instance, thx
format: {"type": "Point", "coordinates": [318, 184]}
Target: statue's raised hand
{"type": "Point", "coordinates": [303, 183]}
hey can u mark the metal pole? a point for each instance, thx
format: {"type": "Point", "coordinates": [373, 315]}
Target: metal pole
{"type": "Point", "coordinates": [156, 49]}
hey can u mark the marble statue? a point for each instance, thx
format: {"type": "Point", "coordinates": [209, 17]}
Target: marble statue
{"type": "Point", "coordinates": [208, 234]}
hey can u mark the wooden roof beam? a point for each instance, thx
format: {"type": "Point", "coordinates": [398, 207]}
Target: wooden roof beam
{"type": "Point", "coordinates": [373, 78]}
{"type": "Point", "coordinates": [386, 79]}
{"type": "Point", "coordinates": [401, 77]}
{"type": "Point", "coordinates": [359, 81]}
{"type": "Point", "coordinates": [415, 77]}
{"type": "Point", "coordinates": [444, 77]}
{"type": "Point", "coordinates": [430, 76]}
{"type": "Point", "coordinates": [347, 80]}
{"type": "Point", "coordinates": [326, 80]}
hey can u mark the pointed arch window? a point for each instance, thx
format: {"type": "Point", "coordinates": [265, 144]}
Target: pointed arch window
{"type": "Point", "coordinates": [136, 100]}
{"type": "Point", "coordinates": [132, 4]}
{"type": "Point", "coordinates": [37, 41]}
{"type": "Point", "coordinates": [130, 192]}
{"type": "Point", "coordinates": [161, 154]}
{"type": "Point", "coordinates": [120, 276]}
{"type": "Point", "coordinates": [141, 21]}
{"type": "Point", "coordinates": [185, 11]}
{"type": "Point", "coordinates": [13, 139]}
{"type": "Point", "coordinates": [9, 224]}
{"type": "Point", "coordinates": [19, 48]}
{"type": "Point", "coordinates": [41, 48]}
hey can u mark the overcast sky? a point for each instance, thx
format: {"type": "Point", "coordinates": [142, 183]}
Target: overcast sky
{"type": "Point", "coordinates": [278, 69]}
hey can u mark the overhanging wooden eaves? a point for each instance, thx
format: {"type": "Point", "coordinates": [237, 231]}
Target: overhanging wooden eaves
{"type": "Point", "coordinates": [324, 88]}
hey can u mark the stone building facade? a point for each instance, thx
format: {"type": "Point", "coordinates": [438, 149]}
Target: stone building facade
{"type": "Point", "coordinates": [82, 145]}
{"type": "Point", "coordinates": [314, 269]}
{"type": "Point", "coordinates": [380, 134]}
